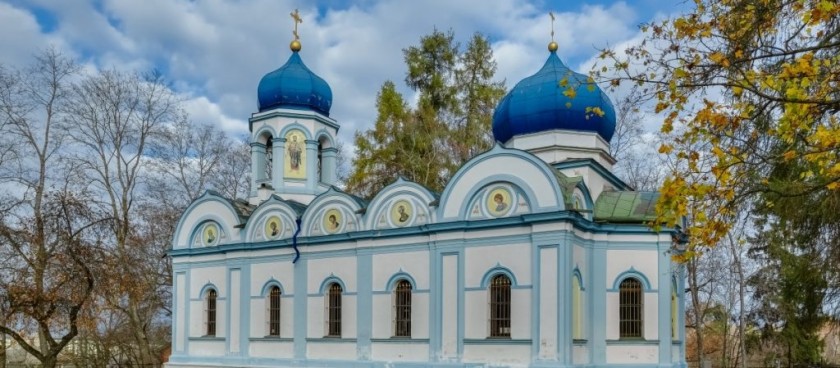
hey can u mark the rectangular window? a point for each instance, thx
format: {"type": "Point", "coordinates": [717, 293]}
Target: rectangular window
{"type": "Point", "coordinates": [630, 308]}
{"type": "Point", "coordinates": [274, 312]}
{"type": "Point", "coordinates": [402, 309]}
{"type": "Point", "coordinates": [334, 311]}
{"type": "Point", "coordinates": [500, 307]}
{"type": "Point", "coordinates": [211, 313]}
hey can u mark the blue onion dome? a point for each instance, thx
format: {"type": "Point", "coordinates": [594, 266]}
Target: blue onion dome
{"type": "Point", "coordinates": [294, 86]}
{"type": "Point", "coordinates": [554, 98]}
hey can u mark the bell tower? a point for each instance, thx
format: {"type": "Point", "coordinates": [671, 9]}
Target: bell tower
{"type": "Point", "coordinates": [293, 150]}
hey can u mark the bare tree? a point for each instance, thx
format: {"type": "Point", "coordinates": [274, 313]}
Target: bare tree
{"type": "Point", "coordinates": [46, 279]}
{"type": "Point", "coordinates": [189, 156]}
{"type": "Point", "coordinates": [116, 117]}
{"type": "Point", "coordinates": [232, 178]}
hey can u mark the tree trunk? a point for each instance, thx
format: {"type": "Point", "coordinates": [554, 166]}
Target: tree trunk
{"type": "Point", "coordinates": [140, 337]}
{"type": "Point", "coordinates": [695, 303]}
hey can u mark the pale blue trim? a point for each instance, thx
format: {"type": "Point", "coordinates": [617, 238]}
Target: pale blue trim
{"type": "Point", "coordinates": [245, 308]}
{"type": "Point", "coordinates": [265, 128]}
{"type": "Point", "coordinates": [289, 113]}
{"type": "Point", "coordinates": [320, 203]}
{"type": "Point", "coordinates": [205, 289]}
{"type": "Point", "coordinates": [200, 223]}
{"type": "Point", "coordinates": [420, 195]}
{"type": "Point", "coordinates": [228, 311]}
{"type": "Point", "coordinates": [300, 307]}
{"type": "Point", "coordinates": [176, 303]}
{"type": "Point", "coordinates": [520, 187]}
{"type": "Point", "coordinates": [564, 337]}
{"type": "Point", "coordinates": [328, 281]}
{"type": "Point", "coordinates": [324, 133]}
{"type": "Point", "coordinates": [664, 306]}
{"type": "Point", "coordinates": [307, 135]}
{"type": "Point", "coordinates": [598, 305]}
{"type": "Point", "coordinates": [187, 305]}
{"type": "Point", "coordinates": [364, 306]}
{"type": "Point", "coordinates": [459, 310]}
{"type": "Point", "coordinates": [632, 272]}
{"type": "Point", "coordinates": [268, 284]}
{"type": "Point", "coordinates": [576, 273]}
{"type": "Point", "coordinates": [496, 270]}
{"type": "Point", "coordinates": [498, 341]}
{"type": "Point", "coordinates": [498, 223]}
{"type": "Point", "coordinates": [400, 275]}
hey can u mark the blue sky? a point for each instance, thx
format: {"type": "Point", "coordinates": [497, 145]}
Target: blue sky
{"type": "Point", "coordinates": [215, 51]}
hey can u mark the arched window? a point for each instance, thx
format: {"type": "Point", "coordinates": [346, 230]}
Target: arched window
{"type": "Point", "coordinates": [210, 312]}
{"type": "Point", "coordinates": [402, 309]}
{"type": "Point", "coordinates": [334, 310]}
{"type": "Point", "coordinates": [269, 158]}
{"type": "Point", "coordinates": [274, 311]}
{"type": "Point", "coordinates": [500, 306]}
{"type": "Point", "coordinates": [577, 308]}
{"type": "Point", "coordinates": [630, 308]}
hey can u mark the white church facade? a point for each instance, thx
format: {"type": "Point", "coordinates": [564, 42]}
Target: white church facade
{"type": "Point", "coordinates": [534, 254]}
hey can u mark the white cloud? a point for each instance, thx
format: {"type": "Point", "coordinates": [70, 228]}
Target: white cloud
{"type": "Point", "coordinates": [215, 51]}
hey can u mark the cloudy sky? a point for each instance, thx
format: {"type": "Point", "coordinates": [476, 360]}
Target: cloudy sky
{"type": "Point", "coordinates": [214, 52]}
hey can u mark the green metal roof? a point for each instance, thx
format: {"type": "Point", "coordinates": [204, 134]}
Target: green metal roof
{"type": "Point", "coordinates": [632, 207]}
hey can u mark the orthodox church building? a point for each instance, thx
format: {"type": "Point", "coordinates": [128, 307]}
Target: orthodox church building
{"type": "Point", "coordinates": [534, 254]}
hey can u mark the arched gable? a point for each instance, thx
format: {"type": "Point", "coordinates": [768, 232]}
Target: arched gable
{"type": "Point", "coordinates": [332, 212]}
{"type": "Point", "coordinates": [273, 219]}
{"type": "Point", "coordinates": [400, 204]}
{"type": "Point", "coordinates": [534, 178]}
{"type": "Point", "coordinates": [209, 207]}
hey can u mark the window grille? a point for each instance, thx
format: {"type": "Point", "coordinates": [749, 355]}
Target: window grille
{"type": "Point", "coordinates": [334, 311]}
{"type": "Point", "coordinates": [211, 313]}
{"type": "Point", "coordinates": [402, 309]}
{"type": "Point", "coordinates": [274, 311]}
{"type": "Point", "coordinates": [630, 308]}
{"type": "Point", "coordinates": [500, 306]}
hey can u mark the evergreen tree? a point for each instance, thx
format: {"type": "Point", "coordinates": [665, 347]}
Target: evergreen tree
{"type": "Point", "coordinates": [450, 124]}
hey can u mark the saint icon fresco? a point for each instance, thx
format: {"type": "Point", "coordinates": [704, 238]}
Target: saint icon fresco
{"type": "Point", "coordinates": [401, 213]}
{"type": "Point", "coordinates": [295, 163]}
{"type": "Point", "coordinates": [498, 201]}
{"type": "Point", "coordinates": [332, 221]}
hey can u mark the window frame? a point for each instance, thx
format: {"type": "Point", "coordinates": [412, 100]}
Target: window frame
{"type": "Point", "coordinates": [631, 309]}
{"type": "Point", "coordinates": [333, 310]}
{"type": "Point", "coordinates": [210, 313]}
{"type": "Point", "coordinates": [273, 309]}
{"type": "Point", "coordinates": [402, 301]}
{"type": "Point", "coordinates": [500, 311]}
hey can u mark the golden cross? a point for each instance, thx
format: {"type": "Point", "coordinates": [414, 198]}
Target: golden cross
{"type": "Point", "coordinates": [296, 17]}
{"type": "Point", "coordinates": [552, 25]}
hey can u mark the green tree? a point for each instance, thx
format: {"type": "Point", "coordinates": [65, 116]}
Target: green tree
{"type": "Point", "coordinates": [450, 124]}
{"type": "Point", "coordinates": [714, 73]}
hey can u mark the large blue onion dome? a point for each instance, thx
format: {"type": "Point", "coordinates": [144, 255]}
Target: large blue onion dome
{"type": "Point", "coordinates": [554, 98]}
{"type": "Point", "coordinates": [294, 86]}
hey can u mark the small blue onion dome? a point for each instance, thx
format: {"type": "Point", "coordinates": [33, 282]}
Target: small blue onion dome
{"type": "Point", "coordinates": [538, 103]}
{"type": "Point", "coordinates": [294, 86]}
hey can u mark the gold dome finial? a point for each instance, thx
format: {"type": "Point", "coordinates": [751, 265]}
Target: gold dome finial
{"type": "Point", "coordinates": [552, 46]}
{"type": "Point", "coordinates": [295, 45]}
